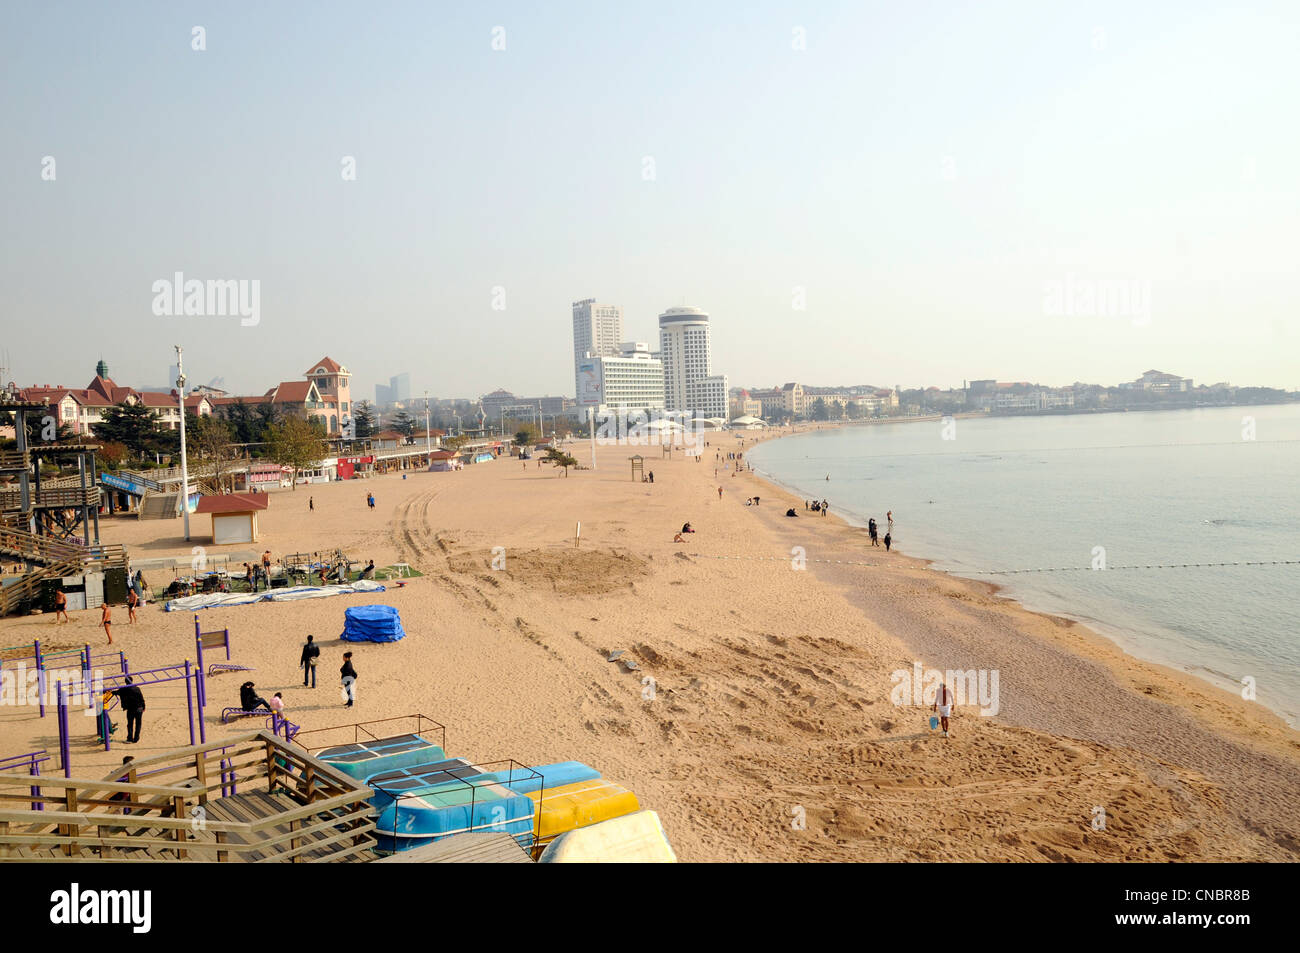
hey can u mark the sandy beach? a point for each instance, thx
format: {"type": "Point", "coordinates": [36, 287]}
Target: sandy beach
{"type": "Point", "coordinates": [767, 732]}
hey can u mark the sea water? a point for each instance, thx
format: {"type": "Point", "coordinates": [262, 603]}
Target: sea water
{"type": "Point", "coordinates": [980, 496]}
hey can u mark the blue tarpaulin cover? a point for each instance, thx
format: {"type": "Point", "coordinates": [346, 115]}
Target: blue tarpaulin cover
{"type": "Point", "coordinates": [372, 624]}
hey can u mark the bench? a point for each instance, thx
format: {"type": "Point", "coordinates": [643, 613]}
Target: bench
{"type": "Point", "coordinates": [230, 714]}
{"type": "Point", "coordinates": [216, 668]}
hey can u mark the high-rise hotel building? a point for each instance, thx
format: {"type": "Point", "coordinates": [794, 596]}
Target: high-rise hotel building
{"type": "Point", "coordinates": [597, 331]}
{"type": "Point", "coordinates": [684, 350]}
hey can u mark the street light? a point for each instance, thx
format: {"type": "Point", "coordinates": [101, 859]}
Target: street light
{"type": "Point", "coordinates": [428, 440]}
{"type": "Point", "coordinates": [185, 470]}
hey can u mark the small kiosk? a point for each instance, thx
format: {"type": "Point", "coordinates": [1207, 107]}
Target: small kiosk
{"type": "Point", "coordinates": [234, 516]}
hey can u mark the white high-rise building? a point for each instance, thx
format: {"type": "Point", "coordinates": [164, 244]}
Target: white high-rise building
{"type": "Point", "coordinates": [597, 331]}
{"type": "Point", "coordinates": [689, 384]}
{"type": "Point", "coordinates": [632, 382]}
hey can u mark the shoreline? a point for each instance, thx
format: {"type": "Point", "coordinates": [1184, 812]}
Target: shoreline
{"type": "Point", "coordinates": [1096, 629]}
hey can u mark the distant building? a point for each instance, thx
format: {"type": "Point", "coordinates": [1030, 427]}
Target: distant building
{"type": "Point", "coordinates": [597, 330]}
{"type": "Point", "coordinates": [1158, 382]}
{"type": "Point", "coordinates": [1036, 400]}
{"type": "Point", "coordinates": [631, 382]}
{"type": "Point", "coordinates": [745, 405]}
{"type": "Point", "coordinates": [878, 404]}
{"type": "Point", "coordinates": [689, 383]}
{"type": "Point", "coordinates": [325, 394]}
{"type": "Point", "coordinates": [398, 390]}
{"type": "Point", "coordinates": [79, 409]}
{"type": "Point", "coordinates": [333, 383]}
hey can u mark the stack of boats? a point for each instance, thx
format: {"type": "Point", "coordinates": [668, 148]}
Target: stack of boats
{"type": "Point", "coordinates": [562, 811]}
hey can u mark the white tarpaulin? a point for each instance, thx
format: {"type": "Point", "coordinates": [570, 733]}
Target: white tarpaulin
{"type": "Point", "coordinates": [293, 594]}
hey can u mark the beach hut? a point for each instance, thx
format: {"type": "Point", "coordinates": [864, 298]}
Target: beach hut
{"type": "Point", "coordinates": [440, 461]}
{"type": "Point", "coordinates": [234, 516]}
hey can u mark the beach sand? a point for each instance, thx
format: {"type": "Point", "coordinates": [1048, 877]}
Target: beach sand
{"type": "Point", "coordinates": [767, 732]}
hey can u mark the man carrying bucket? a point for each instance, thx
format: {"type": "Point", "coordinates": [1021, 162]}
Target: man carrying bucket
{"type": "Point", "coordinates": [943, 704]}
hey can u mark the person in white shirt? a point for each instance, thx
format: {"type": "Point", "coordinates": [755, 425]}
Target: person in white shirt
{"type": "Point", "coordinates": [943, 705]}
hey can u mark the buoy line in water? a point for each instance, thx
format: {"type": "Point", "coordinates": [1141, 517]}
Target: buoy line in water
{"type": "Point", "coordinates": [1010, 572]}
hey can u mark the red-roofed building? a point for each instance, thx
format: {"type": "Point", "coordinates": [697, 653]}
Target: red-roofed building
{"type": "Point", "coordinates": [234, 516]}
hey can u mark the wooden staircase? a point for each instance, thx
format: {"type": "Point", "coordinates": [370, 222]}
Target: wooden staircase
{"type": "Point", "coordinates": [56, 558]}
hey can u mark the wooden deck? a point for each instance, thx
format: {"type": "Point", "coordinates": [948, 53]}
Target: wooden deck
{"type": "Point", "coordinates": [261, 805]}
{"type": "Point", "coordinates": [468, 848]}
{"type": "Point", "coordinates": [288, 808]}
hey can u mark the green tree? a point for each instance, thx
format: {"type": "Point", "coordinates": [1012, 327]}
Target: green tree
{"type": "Point", "coordinates": [525, 437]}
{"type": "Point", "coordinates": [404, 424]}
{"type": "Point", "coordinates": [363, 419]}
{"type": "Point", "coordinates": [136, 426]}
{"type": "Point", "coordinates": [295, 443]}
{"type": "Point", "coordinates": [208, 442]}
{"type": "Point", "coordinates": [819, 411]}
{"type": "Point", "coordinates": [559, 458]}
{"type": "Point", "coordinates": [38, 429]}
{"type": "Point", "coordinates": [854, 410]}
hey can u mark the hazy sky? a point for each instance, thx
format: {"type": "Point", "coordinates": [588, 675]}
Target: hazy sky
{"type": "Point", "coordinates": [924, 172]}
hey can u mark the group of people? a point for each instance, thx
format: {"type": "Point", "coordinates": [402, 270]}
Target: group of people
{"type": "Point", "coordinates": [874, 531]}
{"type": "Point", "coordinates": [310, 658]}
{"type": "Point", "coordinates": [821, 507]}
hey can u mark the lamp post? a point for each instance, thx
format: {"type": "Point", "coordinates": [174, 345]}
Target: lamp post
{"type": "Point", "coordinates": [185, 470]}
{"type": "Point", "coordinates": [428, 439]}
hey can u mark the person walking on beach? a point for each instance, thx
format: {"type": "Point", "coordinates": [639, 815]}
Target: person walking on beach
{"type": "Point", "coordinates": [826, 507]}
{"type": "Point", "coordinates": [308, 659]}
{"type": "Point", "coordinates": [872, 531]}
{"type": "Point", "coordinates": [348, 674]}
{"type": "Point", "coordinates": [370, 500]}
{"type": "Point", "coordinates": [943, 705]}
{"type": "Point", "coordinates": [133, 704]}
{"type": "Point", "coordinates": [61, 606]}
{"type": "Point", "coordinates": [106, 620]}
{"type": "Point", "coordinates": [311, 504]}
{"type": "Point", "coordinates": [132, 600]}
{"type": "Point", "coordinates": [719, 492]}
{"type": "Point", "coordinates": [652, 475]}
{"type": "Point", "coordinates": [888, 539]}
{"type": "Point", "coordinates": [890, 516]}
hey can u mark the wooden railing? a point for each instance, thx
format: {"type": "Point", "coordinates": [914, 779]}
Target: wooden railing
{"type": "Point", "coordinates": [51, 498]}
{"type": "Point", "coordinates": [170, 807]}
{"type": "Point", "coordinates": [15, 460]}
{"type": "Point", "coordinates": [27, 589]}
{"type": "Point", "coordinates": [42, 549]}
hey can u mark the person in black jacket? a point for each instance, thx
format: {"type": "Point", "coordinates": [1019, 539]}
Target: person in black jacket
{"type": "Point", "coordinates": [310, 653]}
{"type": "Point", "coordinates": [249, 700]}
{"type": "Point", "coordinates": [349, 676]}
{"type": "Point", "coordinates": [133, 704]}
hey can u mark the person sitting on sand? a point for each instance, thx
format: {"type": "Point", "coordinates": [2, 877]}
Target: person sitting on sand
{"type": "Point", "coordinates": [791, 512]}
{"type": "Point", "coordinates": [249, 700]}
{"type": "Point", "coordinates": [679, 538]}
{"type": "Point", "coordinates": [686, 528]}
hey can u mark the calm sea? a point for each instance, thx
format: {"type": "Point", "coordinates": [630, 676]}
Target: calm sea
{"type": "Point", "coordinates": [1184, 486]}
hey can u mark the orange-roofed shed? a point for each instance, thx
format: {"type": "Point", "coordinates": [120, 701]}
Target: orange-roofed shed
{"type": "Point", "coordinates": [234, 516]}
